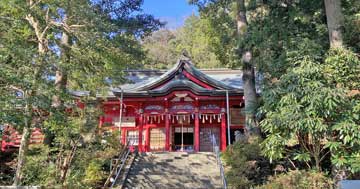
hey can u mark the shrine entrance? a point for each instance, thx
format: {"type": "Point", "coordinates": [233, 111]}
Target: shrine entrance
{"type": "Point", "coordinates": [183, 138]}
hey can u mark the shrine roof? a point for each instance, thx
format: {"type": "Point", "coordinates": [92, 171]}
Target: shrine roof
{"type": "Point", "coordinates": [182, 76]}
{"type": "Point", "coordinates": [232, 78]}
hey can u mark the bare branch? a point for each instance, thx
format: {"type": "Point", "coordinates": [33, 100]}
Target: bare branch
{"type": "Point", "coordinates": [76, 26]}
{"type": "Point", "coordinates": [32, 4]}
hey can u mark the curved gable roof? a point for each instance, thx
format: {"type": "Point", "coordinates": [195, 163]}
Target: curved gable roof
{"type": "Point", "coordinates": [181, 67]}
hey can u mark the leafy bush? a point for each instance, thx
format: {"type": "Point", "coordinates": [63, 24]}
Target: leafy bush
{"type": "Point", "coordinates": [38, 169]}
{"type": "Point", "coordinates": [245, 165]}
{"type": "Point", "coordinates": [299, 180]}
{"type": "Point", "coordinates": [93, 173]}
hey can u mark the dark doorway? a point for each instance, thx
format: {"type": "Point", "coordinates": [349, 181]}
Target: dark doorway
{"type": "Point", "coordinates": [183, 138]}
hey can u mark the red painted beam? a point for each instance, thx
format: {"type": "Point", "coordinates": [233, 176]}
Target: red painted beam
{"type": "Point", "coordinates": [167, 132]}
{"type": "Point", "coordinates": [141, 123]}
{"type": "Point", "coordinates": [197, 132]}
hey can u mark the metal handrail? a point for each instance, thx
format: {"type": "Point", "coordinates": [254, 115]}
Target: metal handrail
{"type": "Point", "coordinates": [123, 161]}
{"type": "Point", "coordinates": [218, 160]}
{"type": "Point", "coordinates": [123, 155]}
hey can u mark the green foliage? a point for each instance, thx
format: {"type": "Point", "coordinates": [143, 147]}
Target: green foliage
{"type": "Point", "coordinates": [164, 47]}
{"type": "Point", "coordinates": [38, 169]}
{"type": "Point", "coordinates": [93, 173]}
{"type": "Point", "coordinates": [299, 180]}
{"type": "Point", "coordinates": [247, 167]}
{"type": "Point", "coordinates": [103, 40]}
{"type": "Point", "coordinates": [221, 28]}
{"type": "Point", "coordinates": [306, 87]}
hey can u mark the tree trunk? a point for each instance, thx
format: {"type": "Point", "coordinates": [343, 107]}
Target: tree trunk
{"type": "Point", "coordinates": [22, 155]}
{"type": "Point", "coordinates": [335, 20]}
{"type": "Point", "coordinates": [66, 163]}
{"type": "Point", "coordinates": [42, 43]}
{"type": "Point", "coordinates": [61, 74]}
{"type": "Point", "coordinates": [248, 73]}
{"type": "Point", "coordinates": [24, 144]}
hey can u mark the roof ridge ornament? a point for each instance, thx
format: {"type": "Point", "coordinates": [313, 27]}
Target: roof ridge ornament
{"type": "Point", "coordinates": [185, 56]}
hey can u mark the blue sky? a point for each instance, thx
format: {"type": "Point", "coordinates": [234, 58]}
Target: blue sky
{"type": "Point", "coordinates": [173, 12]}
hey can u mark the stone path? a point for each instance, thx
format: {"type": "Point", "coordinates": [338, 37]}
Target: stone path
{"type": "Point", "coordinates": [174, 170]}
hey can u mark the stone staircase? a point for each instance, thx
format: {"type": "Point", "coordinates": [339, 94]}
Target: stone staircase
{"type": "Point", "coordinates": [174, 170]}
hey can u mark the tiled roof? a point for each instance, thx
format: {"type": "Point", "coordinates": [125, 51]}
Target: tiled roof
{"type": "Point", "coordinates": [229, 77]}
{"type": "Point", "coordinates": [146, 82]}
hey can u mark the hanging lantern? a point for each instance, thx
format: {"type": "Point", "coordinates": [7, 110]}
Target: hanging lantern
{"type": "Point", "coordinates": [192, 116]}
{"type": "Point", "coordinates": [159, 119]}
{"type": "Point", "coordinates": [210, 120]}
{"type": "Point", "coordinates": [206, 117]}
{"type": "Point", "coordinates": [162, 117]}
{"type": "Point", "coordinates": [203, 119]}
{"type": "Point", "coordinates": [219, 118]}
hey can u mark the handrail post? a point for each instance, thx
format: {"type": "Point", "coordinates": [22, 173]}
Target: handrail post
{"type": "Point", "coordinates": [218, 160]}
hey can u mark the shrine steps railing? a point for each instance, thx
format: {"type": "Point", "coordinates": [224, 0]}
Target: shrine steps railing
{"type": "Point", "coordinates": [218, 159]}
{"type": "Point", "coordinates": [119, 169]}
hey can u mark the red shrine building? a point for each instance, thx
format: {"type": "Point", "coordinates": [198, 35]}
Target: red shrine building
{"type": "Point", "coordinates": [174, 110]}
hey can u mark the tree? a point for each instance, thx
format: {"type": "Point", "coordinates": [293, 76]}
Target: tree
{"type": "Point", "coordinates": [82, 44]}
{"type": "Point", "coordinates": [248, 71]}
{"type": "Point", "coordinates": [24, 64]}
{"type": "Point", "coordinates": [233, 49]}
{"type": "Point", "coordinates": [335, 21]}
{"type": "Point", "coordinates": [305, 86]}
{"type": "Point", "coordinates": [160, 47]}
{"type": "Point", "coordinates": [165, 46]}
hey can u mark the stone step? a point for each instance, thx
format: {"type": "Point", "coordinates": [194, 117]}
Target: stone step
{"type": "Point", "coordinates": [169, 172]}
{"type": "Point", "coordinates": [174, 170]}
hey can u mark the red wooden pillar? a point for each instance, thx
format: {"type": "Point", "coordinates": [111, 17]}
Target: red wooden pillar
{"type": "Point", "coordinates": [223, 132]}
{"type": "Point", "coordinates": [197, 132]}
{"type": "Point", "coordinates": [147, 141]}
{"type": "Point", "coordinates": [140, 147]}
{"type": "Point", "coordinates": [167, 132]}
